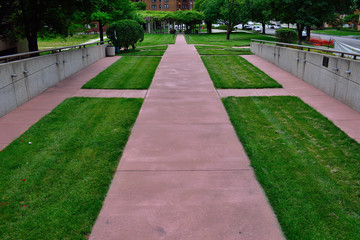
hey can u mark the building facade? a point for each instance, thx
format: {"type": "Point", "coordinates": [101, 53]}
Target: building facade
{"type": "Point", "coordinates": [168, 5]}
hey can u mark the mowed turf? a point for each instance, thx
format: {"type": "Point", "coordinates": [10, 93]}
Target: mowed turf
{"type": "Point", "coordinates": [236, 39]}
{"type": "Point", "coordinates": [216, 50]}
{"type": "Point", "coordinates": [55, 187]}
{"type": "Point", "coordinates": [126, 73]}
{"type": "Point", "coordinates": [151, 39]}
{"type": "Point", "coordinates": [236, 72]}
{"type": "Point", "coordinates": [309, 169]}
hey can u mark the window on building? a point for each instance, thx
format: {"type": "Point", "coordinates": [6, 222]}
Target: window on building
{"type": "Point", "coordinates": [153, 7]}
{"type": "Point", "coordinates": [166, 6]}
{"type": "Point", "coordinates": [153, 0]}
{"type": "Point", "coordinates": [166, 0]}
{"type": "Point", "coordinates": [160, 6]}
{"type": "Point", "coordinates": [184, 6]}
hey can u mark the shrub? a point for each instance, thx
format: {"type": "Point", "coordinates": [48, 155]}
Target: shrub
{"type": "Point", "coordinates": [125, 33]}
{"type": "Point", "coordinates": [286, 35]}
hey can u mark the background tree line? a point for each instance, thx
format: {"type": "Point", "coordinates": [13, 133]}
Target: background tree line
{"type": "Point", "coordinates": [31, 19]}
{"type": "Point", "coordinates": [303, 13]}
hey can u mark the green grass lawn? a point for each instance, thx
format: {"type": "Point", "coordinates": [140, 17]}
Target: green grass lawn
{"type": "Point", "coordinates": [309, 169]}
{"type": "Point", "coordinates": [236, 72]}
{"type": "Point", "coordinates": [215, 50]}
{"type": "Point", "coordinates": [151, 39]}
{"type": "Point", "coordinates": [126, 73]}
{"type": "Point", "coordinates": [338, 32]}
{"type": "Point", "coordinates": [55, 187]}
{"type": "Point", "coordinates": [141, 52]}
{"type": "Point", "coordinates": [153, 48]}
{"type": "Point", "coordinates": [236, 39]}
{"type": "Point", "coordinates": [68, 41]}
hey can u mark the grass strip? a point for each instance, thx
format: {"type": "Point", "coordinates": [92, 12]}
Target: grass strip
{"type": "Point", "coordinates": [141, 52]}
{"type": "Point", "coordinates": [307, 166]}
{"type": "Point", "coordinates": [236, 39]}
{"type": "Point", "coordinates": [215, 50]}
{"type": "Point", "coordinates": [337, 32]}
{"type": "Point", "coordinates": [55, 187]}
{"type": "Point", "coordinates": [65, 41]}
{"type": "Point", "coordinates": [236, 72]}
{"type": "Point", "coordinates": [165, 47]}
{"type": "Point", "coordinates": [151, 39]}
{"type": "Point", "coordinates": [126, 73]}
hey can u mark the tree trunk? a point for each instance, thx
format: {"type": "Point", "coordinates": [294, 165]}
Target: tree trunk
{"type": "Point", "coordinates": [31, 25]}
{"type": "Point", "coordinates": [263, 27]}
{"type": "Point", "coordinates": [308, 28]}
{"type": "Point", "coordinates": [228, 32]}
{"type": "Point", "coordinates": [208, 26]}
{"type": "Point", "coordinates": [101, 31]}
{"type": "Point", "coordinates": [300, 28]}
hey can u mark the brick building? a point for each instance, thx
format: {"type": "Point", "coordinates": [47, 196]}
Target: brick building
{"type": "Point", "coordinates": [168, 5]}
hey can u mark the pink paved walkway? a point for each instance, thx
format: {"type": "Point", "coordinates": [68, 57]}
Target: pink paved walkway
{"type": "Point", "coordinates": [15, 123]}
{"type": "Point", "coordinates": [184, 174]}
{"type": "Point", "coordinates": [340, 114]}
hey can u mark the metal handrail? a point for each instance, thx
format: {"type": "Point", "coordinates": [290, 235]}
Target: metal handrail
{"type": "Point", "coordinates": [19, 56]}
{"type": "Point", "coordinates": [301, 47]}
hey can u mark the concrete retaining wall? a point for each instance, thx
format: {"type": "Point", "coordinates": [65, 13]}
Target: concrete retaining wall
{"type": "Point", "coordinates": [22, 80]}
{"type": "Point", "coordinates": [339, 78]}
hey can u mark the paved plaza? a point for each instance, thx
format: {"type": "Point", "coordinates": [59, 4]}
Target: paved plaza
{"type": "Point", "coordinates": [183, 173]}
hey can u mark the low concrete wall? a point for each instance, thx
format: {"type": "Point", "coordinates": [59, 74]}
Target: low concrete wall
{"type": "Point", "coordinates": [22, 80]}
{"type": "Point", "coordinates": [338, 77]}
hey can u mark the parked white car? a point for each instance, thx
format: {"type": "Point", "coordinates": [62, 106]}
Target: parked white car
{"type": "Point", "coordinates": [257, 29]}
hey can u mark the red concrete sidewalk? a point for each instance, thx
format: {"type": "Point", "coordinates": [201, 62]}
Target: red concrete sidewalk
{"type": "Point", "coordinates": [184, 173]}
{"type": "Point", "coordinates": [15, 123]}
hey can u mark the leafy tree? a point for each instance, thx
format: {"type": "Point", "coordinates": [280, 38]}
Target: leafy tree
{"type": "Point", "coordinates": [231, 11]}
{"type": "Point", "coordinates": [261, 12]}
{"type": "Point", "coordinates": [189, 18]}
{"type": "Point", "coordinates": [353, 19]}
{"type": "Point", "coordinates": [31, 18]}
{"type": "Point", "coordinates": [125, 33]}
{"type": "Point", "coordinates": [106, 11]}
{"type": "Point", "coordinates": [140, 5]}
{"type": "Point", "coordinates": [305, 13]}
{"type": "Point", "coordinates": [211, 11]}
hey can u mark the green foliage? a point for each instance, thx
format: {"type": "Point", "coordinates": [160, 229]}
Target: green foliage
{"type": "Point", "coordinates": [308, 13]}
{"type": "Point", "coordinates": [353, 19]}
{"type": "Point", "coordinates": [285, 35]}
{"type": "Point", "coordinates": [261, 12]}
{"type": "Point", "coordinates": [221, 27]}
{"type": "Point", "coordinates": [125, 33]}
{"type": "Point", "coordinates": [187, 17]}
{"type": "Point", "coordinates": [111, 10]}
{"type": "Point", "coordinates": [140, 5]}
{"type": "Point", "coordinates": [55, 18]}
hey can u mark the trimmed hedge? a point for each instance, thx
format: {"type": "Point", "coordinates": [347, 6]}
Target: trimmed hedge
{"type": "Point", "coordinates": [125, 33]}
{"type": "Point", "coordinates": [286, 35]}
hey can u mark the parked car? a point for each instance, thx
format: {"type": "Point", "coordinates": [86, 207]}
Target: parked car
{"type": "Point", "coordinates": [277, 26]}
{"type": "Point", "coordinates": [257, 28]}
{"type": "Point", "coordinates": [248, 27]}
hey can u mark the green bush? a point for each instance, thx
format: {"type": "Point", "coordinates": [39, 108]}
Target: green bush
{"type": "Point", "coordinates": [286, 35]}
{"type": "Point", "coordinates": [125, 33]}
